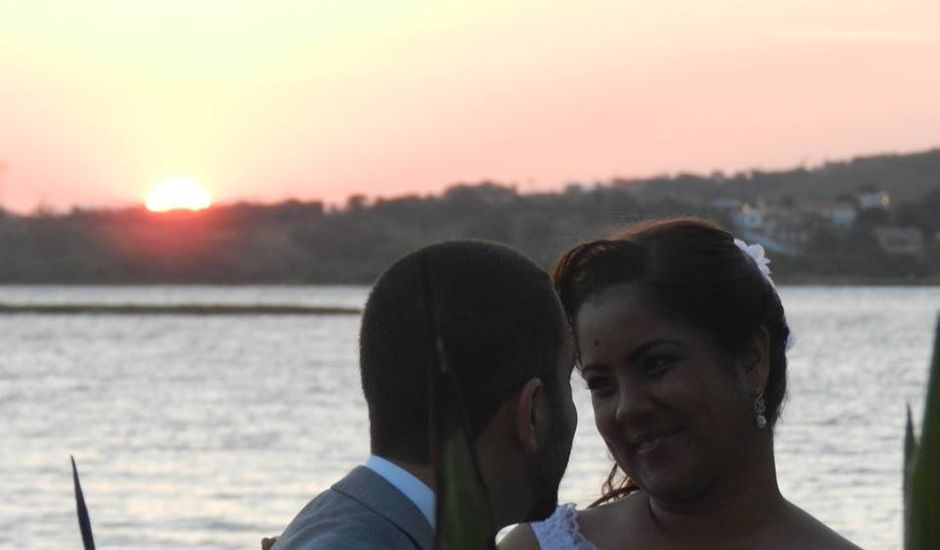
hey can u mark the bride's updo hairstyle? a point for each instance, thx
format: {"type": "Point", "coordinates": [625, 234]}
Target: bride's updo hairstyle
{"type": "Point", "coordinates": [694, 273]}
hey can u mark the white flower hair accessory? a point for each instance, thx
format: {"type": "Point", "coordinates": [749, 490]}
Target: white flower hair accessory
{"type": "Point", "coordinates": [756, 252]}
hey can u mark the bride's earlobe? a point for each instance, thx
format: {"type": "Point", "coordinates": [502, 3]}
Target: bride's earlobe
{"type": "Point", "coordinates": [757, 362]}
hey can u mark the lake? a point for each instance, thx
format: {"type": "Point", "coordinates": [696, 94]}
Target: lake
{"type": "Point", "coordinates": [213, 431]}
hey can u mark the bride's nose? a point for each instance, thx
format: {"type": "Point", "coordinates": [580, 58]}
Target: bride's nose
{"type": "Point", "coordinates": [633, 401]}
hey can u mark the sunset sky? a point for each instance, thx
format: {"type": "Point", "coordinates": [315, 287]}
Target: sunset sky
{"type": "Point", "coordinates": [267, 100]}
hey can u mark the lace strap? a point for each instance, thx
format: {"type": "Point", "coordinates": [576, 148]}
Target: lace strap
{"type": "Point", "coordinates": [561, 531]}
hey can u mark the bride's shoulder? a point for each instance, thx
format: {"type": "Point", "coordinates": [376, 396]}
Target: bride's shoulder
{"type": "Point", "coordinates": [611, 525]}
{"type": "Point", "coordinates": [520, 537]}
{"type": "Point", "coordinates": [558, 531]}
{"type": "Point", "coordinates": [809, 532]}
{"type": "Point", "coordinates": [603, 514]}
{"type": "Point", "coordinates": [539, 534]}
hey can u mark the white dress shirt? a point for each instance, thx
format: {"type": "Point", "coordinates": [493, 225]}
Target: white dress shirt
{"type": "Point", "coordinates": [417, 492]}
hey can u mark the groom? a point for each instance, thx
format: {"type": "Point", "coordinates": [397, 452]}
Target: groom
{"type": "Point", "coordinates": [509, 345]}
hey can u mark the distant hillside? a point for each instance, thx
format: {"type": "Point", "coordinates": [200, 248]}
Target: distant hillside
{"type": "Point", "coordinates": [906, 178]}
{"type": "Point", "coordinates": [304, 242]}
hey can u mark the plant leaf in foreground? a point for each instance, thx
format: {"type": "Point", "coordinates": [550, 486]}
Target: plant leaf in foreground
{"type": "Point", "coordinates": [463, 518]}
{"type": "Point", "coordinates": [84, 522]}
{"type": "Point", "coordinates": [922, 498]}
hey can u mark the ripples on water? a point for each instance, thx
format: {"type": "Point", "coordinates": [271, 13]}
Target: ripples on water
{"type": "Point", "coordinates": [210, 432]}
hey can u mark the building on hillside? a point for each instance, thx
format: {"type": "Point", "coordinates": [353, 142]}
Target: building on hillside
{"type": "Point", "coordinates": [728, 205]}
{"type": "Point", "coordinates": [748, 217]}
{"type": "Point", "coordinates": [780, 228]}
{"type": "Point", "coordinates": [873, 199]}
{"type": "Point", "coordinates": [842, 214]}
{"type": "Point", "coordinates": [787, 229]}
{"type": "Point", "coordinates": [900, 240]}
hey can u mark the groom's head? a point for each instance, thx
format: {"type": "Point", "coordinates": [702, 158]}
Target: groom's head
{"type": "Point", "coordinates": [509, 346]}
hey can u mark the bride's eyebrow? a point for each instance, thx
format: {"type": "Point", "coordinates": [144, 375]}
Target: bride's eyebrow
{"type": "Point", "coordinates": [634, 354]}
{"type": "Point", "coordinates": [647, 346]}
{"type": "Point", "coordinates": [593, 367]}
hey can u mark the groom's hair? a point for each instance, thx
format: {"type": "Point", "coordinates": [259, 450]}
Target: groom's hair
{"type": "Point", "coordinates": [498, 318]}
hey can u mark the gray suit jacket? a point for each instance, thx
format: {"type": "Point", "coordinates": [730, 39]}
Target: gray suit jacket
{"type": "Point", "coordinates": [360, 512]}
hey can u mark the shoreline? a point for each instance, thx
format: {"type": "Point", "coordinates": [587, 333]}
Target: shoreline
{"type": "Point", "coordinates": [789, 280]}
{"type": "Point", "coordinates": [858, 281]}
{"type": "Point", "coordinates": [158, 309]}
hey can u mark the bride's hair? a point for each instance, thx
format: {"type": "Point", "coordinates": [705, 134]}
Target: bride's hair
{"type": "Point", "coordinates": [693, 271]}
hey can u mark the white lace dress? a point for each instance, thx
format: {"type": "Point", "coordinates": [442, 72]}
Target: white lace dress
{"type": "Point", "coordinates": [561, 532]}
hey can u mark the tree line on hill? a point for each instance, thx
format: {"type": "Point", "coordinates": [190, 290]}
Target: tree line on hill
{"type": "Point", "coordinates": [297, 242]}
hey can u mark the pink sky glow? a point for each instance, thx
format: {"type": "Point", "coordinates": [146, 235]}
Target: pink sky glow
{"type": "Point", "coordinates": [100, 100]}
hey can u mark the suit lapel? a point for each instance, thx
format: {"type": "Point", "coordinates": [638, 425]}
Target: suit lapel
{"type": "Point", "coordinates": [380, 496]}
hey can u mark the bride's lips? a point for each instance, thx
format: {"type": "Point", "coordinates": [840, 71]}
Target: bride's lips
{"type": "Point", "coordinates": [652, 441]}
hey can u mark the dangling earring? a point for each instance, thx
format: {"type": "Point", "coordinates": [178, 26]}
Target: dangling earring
{"type": "Point", "coordinates": [759, 408]}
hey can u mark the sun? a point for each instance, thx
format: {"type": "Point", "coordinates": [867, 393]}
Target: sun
{"type": "Point", "coordinates": [177, 194]}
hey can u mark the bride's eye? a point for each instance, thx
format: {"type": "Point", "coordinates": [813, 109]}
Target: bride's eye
{"type": "Point", "coordinates": [597, 384]}
{"type": "Point", "coordinates": [657, 364]}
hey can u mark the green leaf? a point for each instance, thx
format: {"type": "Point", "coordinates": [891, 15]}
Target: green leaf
{"type": "Point", "coordinates": [922, 510]}
{"type": "Point", "coordinates": [84, 521]}
{"type": "Point", "coordinates": [910, 446]}
{"type": "Point", "coordinates": [910, 449]}
{"type": "Point", "coordinates": [463, 517]}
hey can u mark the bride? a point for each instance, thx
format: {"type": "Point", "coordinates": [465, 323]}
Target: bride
{"type": "Point", "coordinates": [682, 343]}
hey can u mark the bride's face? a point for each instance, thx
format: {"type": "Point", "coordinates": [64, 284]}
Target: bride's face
{"type": "Point", "coordinates": [675, 413]}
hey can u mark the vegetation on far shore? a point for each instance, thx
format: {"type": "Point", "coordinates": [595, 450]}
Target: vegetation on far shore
{"type": "Point", "coordinates": [297, 242]}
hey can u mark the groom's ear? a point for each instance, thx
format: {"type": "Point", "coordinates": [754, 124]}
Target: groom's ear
{"type": "Point", "coordinates": [528, 418]}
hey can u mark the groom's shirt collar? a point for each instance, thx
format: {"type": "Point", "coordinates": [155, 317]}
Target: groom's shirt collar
{"type": "Point", "coordinates": [413, 488]}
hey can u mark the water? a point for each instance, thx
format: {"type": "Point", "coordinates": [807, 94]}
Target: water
{"type": "Point", "coordinates": [211, 432]}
